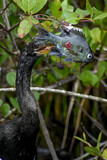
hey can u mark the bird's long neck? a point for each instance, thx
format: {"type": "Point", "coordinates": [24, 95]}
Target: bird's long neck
{"type": "Point", "coordinates": [24, 96]}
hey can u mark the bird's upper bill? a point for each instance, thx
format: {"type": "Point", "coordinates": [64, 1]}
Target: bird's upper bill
{"type": "Point", "coordinates": [42, 47]}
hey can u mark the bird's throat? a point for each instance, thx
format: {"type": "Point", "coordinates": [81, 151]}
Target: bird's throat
{"type": "Point", "coordinates": [23, 81]}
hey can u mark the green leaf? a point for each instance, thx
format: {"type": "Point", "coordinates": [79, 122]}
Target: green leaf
{"type": "Point", "coordinates": [96, 34]}
{"type": "Point", "coordinates": [28, 5]}
{"type": "Point", "coordinates": [68, 14]}
{"type": "Point", "coordinates": [95, 12]}
{"type": "Point", "coordinates": [51, 78]}
{"type": "Point", "coordinates": [67, 8]}
{"type": "Point", "coordinates": [15, 103]}
{"type": "Point", "coordinates": [1, 102]}
{"type": "Point", "coordinates": [101, 16]}
{"type": "Point", "coordinates": [81, 13]}
{"type": "Point", "coordinates": [39, 4]}
{"type": "Point", "coordinates": [11, 78]}
{"type": "Point", "coordinates": [3, 56]}
{"type": "Point", "coordinates": [31, 6]}
{"type": "Point", "coordinates": [32, 20]}
{"type": "Point", "coordinates": [87, 33]}
{"type": "Point", "coordinates": [37, 95]}
{"type": "Point", "coordinates": [92, 151]}
{"type": "Point", "coordinates": [20, 4]}
{"type": "Point", "coordinates": [56, 8]}
{"type": "Point", "coordinates": [5, 109]}
{"type": "Point", "coordinates": [103, 38]}
{"type": "Point", "coordinates": [88, 7]}
{"type": "Point", "coordinates": [80, 139]}
{"type": "Point", "coordinates": [102, 69]}
{"type": "Point", "coordinates": [98, 141]}
{"type": "Point", "coordinates": [59, 74]}
{"type": "Point", "coordinates": [89, 78]}
{"type": "Point", "coordinates": [38, 80]}
{"type": "Point", "coordinates": [84, 136]}
{"type": "Point", "coordinates": [105, 153]}
{"type": "Point", "coordinates": [24, 28]}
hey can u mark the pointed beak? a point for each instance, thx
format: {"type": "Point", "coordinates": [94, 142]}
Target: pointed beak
{"type": "Point", "coordinates": [45, 49]}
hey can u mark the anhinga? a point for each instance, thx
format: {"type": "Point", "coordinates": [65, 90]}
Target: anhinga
{"type": "Point", "coordinates": [18, 136]}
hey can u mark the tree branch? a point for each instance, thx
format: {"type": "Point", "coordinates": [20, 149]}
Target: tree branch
{"type": "Point", "coordinates": [14, 53]}
{"type": "Point", "coordinates": [8, 28]}
{"type": "Point", "coordinates": [10, 112]}
{"type": "Point", "coordinates": [45, 131]}
{"type": "Point", "coordinates": [72, 100]}
{"type": "Point", "coordinates": [67, 93]}
{"type": "Point", "coordinates": [6, 7]}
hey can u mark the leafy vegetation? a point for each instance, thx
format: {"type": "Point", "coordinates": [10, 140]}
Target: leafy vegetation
{"type": "Point", "coordinates": [17, 26]}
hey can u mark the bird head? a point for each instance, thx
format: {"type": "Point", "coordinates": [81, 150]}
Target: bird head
{"type": "Point", "coordinates": [39, 48]}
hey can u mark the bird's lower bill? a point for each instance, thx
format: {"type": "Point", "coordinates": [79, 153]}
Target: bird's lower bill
{"type": "Point", "coordinates": [44, 50]}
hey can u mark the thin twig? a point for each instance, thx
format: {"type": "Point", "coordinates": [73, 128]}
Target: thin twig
{"type": "Point", "coordinates": [67, 93]}
{"type": "Point", "coordinates": [8, 27]}
{"type": "Point", "coordinates": [78, 119]}
{"type": "Point", "coordinates": [88, 134]}
{"type": "Point", "coordinates": [96, 123]}
{"type": "Point", "coordinates": [6, 7]}
{"type": "Point", "coordinates": [87, 91]}
{"type": "Point", "coordinates": [68, 115]}
{"type": "Point", "coordinates": [7, 115]}
{"type": "Point", "coordinates": [14, 53]}
{"type": "Point", "coordinates": [45, 131]}
{"type": "Point", "coordinates": [13, 27]}
{"type": "Point", "coordinates": [2, 25]}
{"type": "Point", "coordinates": [61, 82]}
{"type": "Point", "coordinates": [104, 84]}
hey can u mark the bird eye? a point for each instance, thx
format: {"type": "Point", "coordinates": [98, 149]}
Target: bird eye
{"type": "Point", "coordinates": [36, 45]}
{"type": "Point", "coordinates": [89, 56]}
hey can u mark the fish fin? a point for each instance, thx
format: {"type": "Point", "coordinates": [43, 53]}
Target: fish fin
{"type": "Point", "coordinates": [67, 60]}
{"type": "Point", "coordinates": [77, 31]}
{"type": "Point", "coordinates": [54, 54]}
{"type": "Point", "coordinates": [55, 51]}
{"type": "Point", "coordinates": [68, 28]}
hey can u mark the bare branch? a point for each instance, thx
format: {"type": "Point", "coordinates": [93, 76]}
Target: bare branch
{"type": "Point", "coordinates": [14, 53]}
{"type": "Point", "coordinates": [67, 93]}
{"type": "Point", "coordinates": [10, 112]}
{"type": "Point", "coordinates": [76, 85]}
{"type": "Point", "coordinates": [45, 131]}
{"type": "Point", "coordinates": [8, 28]}
{"type": "Point", "coordinates": [13, 27]}
{"type": "Point", "coordinates": [6, 7]}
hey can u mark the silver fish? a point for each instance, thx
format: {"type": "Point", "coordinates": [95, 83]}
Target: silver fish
{"type": "Point", "coordinates": [71, 44]}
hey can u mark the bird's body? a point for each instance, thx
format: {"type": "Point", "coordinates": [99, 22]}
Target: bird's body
{"type": "Point", "coordinates": [18, 136]}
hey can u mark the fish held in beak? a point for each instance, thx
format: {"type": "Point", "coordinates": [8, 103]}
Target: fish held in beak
{"type": "Point", "coordinates": [71, 44]}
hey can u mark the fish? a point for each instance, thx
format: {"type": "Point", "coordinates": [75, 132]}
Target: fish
{"type": "Point", "coordinates": [71, 44]}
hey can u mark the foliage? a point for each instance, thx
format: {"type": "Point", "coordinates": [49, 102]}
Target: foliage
{"type": "Point", "coordinates": [17, 31]}
{"type": "Point", "coordinates": [93, 150]}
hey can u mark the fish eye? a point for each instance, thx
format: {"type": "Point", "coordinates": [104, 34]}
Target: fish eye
{"type": "Point", "coordinates": [89, 56]}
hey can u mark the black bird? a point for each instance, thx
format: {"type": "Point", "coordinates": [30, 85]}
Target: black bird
{"type": "Point", "coordinates": [18, 136]}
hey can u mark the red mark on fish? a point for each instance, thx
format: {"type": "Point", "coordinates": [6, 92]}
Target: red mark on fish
{"type": "Point", "coordinates": [68, 45]}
